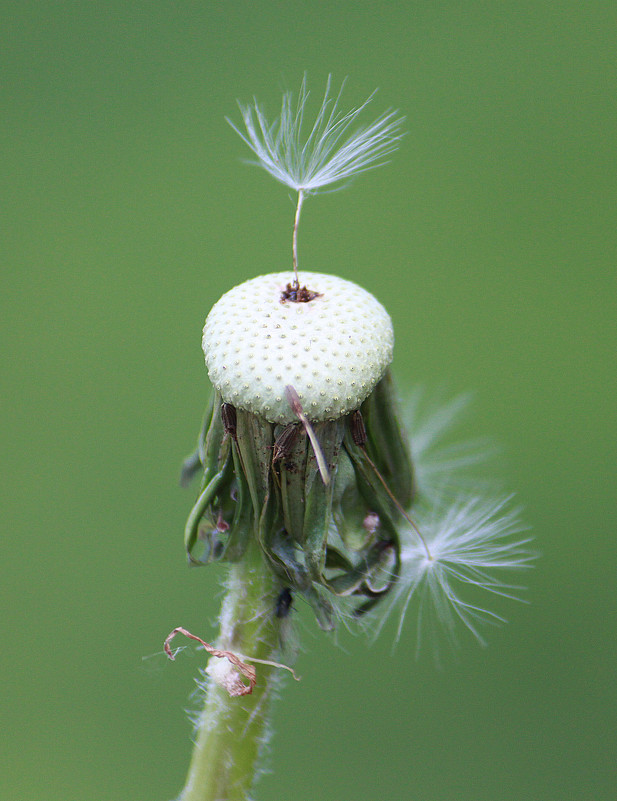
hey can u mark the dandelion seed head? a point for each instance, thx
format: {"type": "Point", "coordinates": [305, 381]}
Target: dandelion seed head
{"type": "Point", "coordinates": [307, 157]}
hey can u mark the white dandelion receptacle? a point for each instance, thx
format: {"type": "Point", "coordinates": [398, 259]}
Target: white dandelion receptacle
{"type": "Point", "coordinates": [332, 349]}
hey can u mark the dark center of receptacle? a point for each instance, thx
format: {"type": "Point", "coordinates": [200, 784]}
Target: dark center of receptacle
{"type": "Point", "coordinates": [298, 294]}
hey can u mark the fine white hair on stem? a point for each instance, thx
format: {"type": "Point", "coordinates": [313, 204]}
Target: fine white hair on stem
{"type": "Point", "coordinates": [475, 543]}
{"type": "Point", "coordinates": [330, 152]}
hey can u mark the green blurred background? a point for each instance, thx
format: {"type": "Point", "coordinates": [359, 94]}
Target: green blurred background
{"type": "Point", "coordinates": [491, 240]}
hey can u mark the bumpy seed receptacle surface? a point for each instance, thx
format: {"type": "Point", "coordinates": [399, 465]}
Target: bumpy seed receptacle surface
{"type": "Point", "coordinates": [333, 350]}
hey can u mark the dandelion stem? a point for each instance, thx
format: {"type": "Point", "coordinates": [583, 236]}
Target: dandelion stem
{"type": "Point", "coordinates": [294, 248]}
{"type": "Point", "coordinates": [231, 731]}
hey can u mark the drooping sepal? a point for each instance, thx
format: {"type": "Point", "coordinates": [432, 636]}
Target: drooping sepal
{"type": "Point", "coordinates": [323, 539]}
{"type": "Point", "coordinates": [387, 444]}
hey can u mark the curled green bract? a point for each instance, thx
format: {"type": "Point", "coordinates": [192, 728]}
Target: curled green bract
{"type": "Point", "coordinates": [261, 482]}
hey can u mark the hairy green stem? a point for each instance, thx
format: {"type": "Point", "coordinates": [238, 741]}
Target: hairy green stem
{"type": "Point", "coordinates": [232, 731]}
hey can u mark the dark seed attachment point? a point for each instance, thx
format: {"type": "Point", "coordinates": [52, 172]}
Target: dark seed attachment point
{"type": "Point", "coordinates": [298, 294]}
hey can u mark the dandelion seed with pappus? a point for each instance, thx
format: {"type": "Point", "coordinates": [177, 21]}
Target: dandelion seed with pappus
{"type": "Point", "coordinates": [308, 486]}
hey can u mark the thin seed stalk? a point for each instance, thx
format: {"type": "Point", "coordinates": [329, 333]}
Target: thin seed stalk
{"type": "Point", "coordinates": [232, 731]}
{"type": "Point", "coordinates": [294, 245]}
